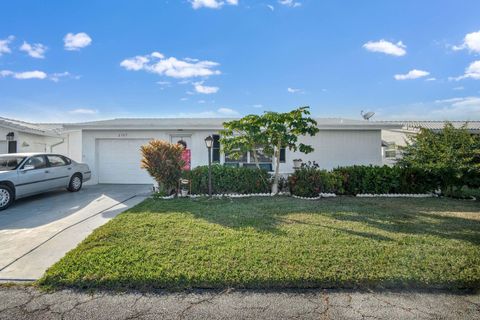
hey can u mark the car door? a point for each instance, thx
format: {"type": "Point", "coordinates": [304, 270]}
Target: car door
{"type": "Point", "coordinates": [59, 171]}
{"type": "Point", "coordinates": [33, 176]}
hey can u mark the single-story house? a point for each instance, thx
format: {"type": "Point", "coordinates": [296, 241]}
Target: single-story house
{"type": "Point", "coordinates": [20, 136]}
{"type": "Point", "coordinates": [394, 139]}
{"type": "Point", "coordinates": [112, 147]}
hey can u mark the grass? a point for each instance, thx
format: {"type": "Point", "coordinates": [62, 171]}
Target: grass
{"type": "Point", "coordinates": [280, 243]}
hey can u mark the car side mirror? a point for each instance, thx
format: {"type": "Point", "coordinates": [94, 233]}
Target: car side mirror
{"type": "Point", "coordinates": [28, 167]}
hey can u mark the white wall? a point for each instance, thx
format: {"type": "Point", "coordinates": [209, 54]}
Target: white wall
{"type": "Point", "coordinates": [27, 142]}
{"type": "Point", "coordinates": [333, 148]}
{"type": "Point", "coordinates": [87, 139]}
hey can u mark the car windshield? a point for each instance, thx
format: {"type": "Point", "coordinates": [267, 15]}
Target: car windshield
{"type": "Point", "coordinates": [8, 163]}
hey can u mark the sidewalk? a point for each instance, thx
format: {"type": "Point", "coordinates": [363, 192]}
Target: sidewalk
{"type": "Point", "coordinates": [29, 303]}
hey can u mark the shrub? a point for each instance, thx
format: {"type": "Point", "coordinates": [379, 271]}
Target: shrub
{"type": "Point", "coordinates": [309, 181]}
{"type": "Point", "coordinates": [163, 161]}
{"type": "Point", "coordinates": [229, 180]}
{"type": "Point", "coordinates": [384, 179]}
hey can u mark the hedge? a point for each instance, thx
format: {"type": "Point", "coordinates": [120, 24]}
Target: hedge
{"type": "Point", "coordinates": [308, 182]}
{"type": "Point", "coordinates": [229, 180]}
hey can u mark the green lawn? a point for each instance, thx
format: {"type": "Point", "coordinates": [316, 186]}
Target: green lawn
{"type": "Point", "coordinates": [280, 242]}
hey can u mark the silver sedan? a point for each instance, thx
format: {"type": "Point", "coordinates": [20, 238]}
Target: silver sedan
{"type": "Point", "coordinates": [25, 174]}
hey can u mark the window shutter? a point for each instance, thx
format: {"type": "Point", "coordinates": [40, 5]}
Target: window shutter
{"type": "Point", "coordinates": [216, 148]}
{"type": "Point", "coordinates": [283, 155]}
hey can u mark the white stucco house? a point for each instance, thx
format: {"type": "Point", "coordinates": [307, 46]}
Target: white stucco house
{"type": "Point", "coordinates": [111, 147]}
{"type": "Point", "coordinates": [20, 136]}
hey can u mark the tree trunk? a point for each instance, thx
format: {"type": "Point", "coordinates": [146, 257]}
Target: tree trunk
{"type": "Point", "coordinates": [277, 170]}
{"type": "Point", "coordinates": [255, 157]}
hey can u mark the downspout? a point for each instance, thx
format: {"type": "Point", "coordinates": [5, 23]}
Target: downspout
{"type": "Point", "coordinates": [57, 144]}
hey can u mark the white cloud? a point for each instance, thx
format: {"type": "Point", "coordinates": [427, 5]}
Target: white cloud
{"type": "Point", "coordinates": [219, 113]}
{"type": "Point", "coordinates": [460, 108]}
{"type": "Point", "coordinates": [472, 72]}
{"type": "Point", "coordinates": [412, 74]}
{"type": "Point", "coordinates": [227, 112]}
{"type": "Point", "coordinates": [470, 42]}
{"type": "Point", "coordinates": [431, 79]}
{"type": "Point", "coordinates": [55, 77]}
{"type": "Point", "coordinates": [212, 4]}
{"type": "Point", "coordinates": [4, 45]}
{"type": "Point", "coordinates": [458, 88]}
{"type": "Point", "coordinates": [200, 88]}
{"type": "Point", "coordinates": [383, 46]}
{"type": "Point", "coordinates": [294, 90]}
{"type": "Point", "coordinates": [24, 75]}
{"type": "Point", "coordinates": [36, 50]}
{"type": "Point", "coordinates": [258, 106]}
{"type": "Point", "coordinates": [466, 107]}
{"type": "Point", "coordinates": [269, 6]}
{"type": "Point", "coordinates": [76, 41]}
{"type": "Point", "coordinates": [290, 3]}
{"type": "Point", "coordinates": [136, 63]}
{"type": "Point", "coordinates": [171, 67]}
{"type": "Point", "coordinates": [83, 111]}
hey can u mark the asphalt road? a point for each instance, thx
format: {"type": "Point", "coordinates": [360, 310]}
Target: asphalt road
{"type": "Point", "coordinates": [29, 303]}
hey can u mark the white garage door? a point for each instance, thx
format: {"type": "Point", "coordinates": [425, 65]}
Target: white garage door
{"type": "Point", "coordinates": [119, 162]}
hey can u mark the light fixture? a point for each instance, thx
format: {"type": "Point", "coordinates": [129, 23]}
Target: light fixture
{"type": "Point", "coordinates": [209, 141]}
{"type": "Point", "coordinates": [209, 144]}
{"type": "Point", "coordinates": [10, 136]}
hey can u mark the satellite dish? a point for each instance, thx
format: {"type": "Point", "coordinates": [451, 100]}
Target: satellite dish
{"type": "Point", "coordinates": [367, 115]}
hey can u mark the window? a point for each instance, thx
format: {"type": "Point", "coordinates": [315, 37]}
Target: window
{"type": "Point", "coordinates": [391, 150]}
{"type": "Point", "coordinates": [261, 157]}
{"type": "Point", "coordinates": [283, 155]}
{"type": "Point", "coordinates": [56, 161]}
{"type": "Point", "coordinates": [216, 148]}
{"type": "Point", "coordinates": [10, 162]}
{"type": "Point", "coordinates": [231, 159]}
{"type": "Point", "coordinates": [38, 162]}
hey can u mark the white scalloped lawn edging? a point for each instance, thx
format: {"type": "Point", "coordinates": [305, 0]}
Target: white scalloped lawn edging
{"type": "Point", "coordinates": [167, 197]}
{"type": "Point", "coordinates": [396, 195]}
{"type": "Point", "coordinates": [227, 195]}
{"type": "Point", "coordinates": [320, 196]}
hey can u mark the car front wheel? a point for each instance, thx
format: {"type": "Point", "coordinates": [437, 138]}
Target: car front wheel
{"type": "Point", "coordinates": [6, 197]}
{"type": "Point", "coordinates": [75, 183]}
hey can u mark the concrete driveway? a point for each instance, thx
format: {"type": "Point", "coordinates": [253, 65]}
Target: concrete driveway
{"type": "Point", "coordinates": [37, 231]}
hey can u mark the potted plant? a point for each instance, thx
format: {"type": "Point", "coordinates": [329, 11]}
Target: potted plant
{"type": "Point", "coordinates": [297, 163]}
{"type": "Point", "coordinates": [184, 187]}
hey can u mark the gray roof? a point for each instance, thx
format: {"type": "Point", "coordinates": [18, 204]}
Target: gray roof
{"type": "Point", "coordinates": [213, 124]}
{"type": "Point", "coordinates": [28, 127]}
{"type": "Point", "coordinates": [472, 126]}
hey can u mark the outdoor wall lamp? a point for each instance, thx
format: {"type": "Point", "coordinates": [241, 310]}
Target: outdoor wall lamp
{"type": "Point", "coordinates": [10, 136]}
{"type": "Point", "coordinates": [209, 144]}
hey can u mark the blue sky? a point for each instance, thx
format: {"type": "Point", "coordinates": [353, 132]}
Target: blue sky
{"type": "Point", "coordinates": [88, 60]}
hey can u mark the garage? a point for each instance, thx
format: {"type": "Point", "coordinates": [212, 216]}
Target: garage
{"type": "Point", "coordinates": [119, 161]}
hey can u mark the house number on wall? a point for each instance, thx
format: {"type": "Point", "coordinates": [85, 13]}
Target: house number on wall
{"type": "Point", "coordinates": [122, 135]}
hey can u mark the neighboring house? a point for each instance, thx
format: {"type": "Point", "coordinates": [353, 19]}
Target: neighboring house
{"type": "Point", "coordinates": [20, 136]}
{"type": "Point", "coordinates": [394, 139]}
{"type": "Point", "coordinates": [112, 147]}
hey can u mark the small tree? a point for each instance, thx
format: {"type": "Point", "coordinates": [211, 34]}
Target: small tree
{"type": "Point", "coordinates": [163, 161]}
{"type": "Point", "coordinates": [243, 135]}
{"type": "Point", "coordinates": [282, 130]}
{"type": "Point", "coordinates": [452, 155]}
{"type": "Point", "coordinates": [271, 131]}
